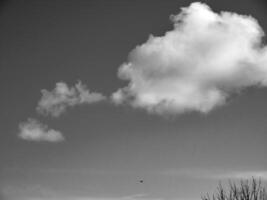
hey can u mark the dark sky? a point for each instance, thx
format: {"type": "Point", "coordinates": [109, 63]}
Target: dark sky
{"type": "Point", "coordinates": [108, 148]}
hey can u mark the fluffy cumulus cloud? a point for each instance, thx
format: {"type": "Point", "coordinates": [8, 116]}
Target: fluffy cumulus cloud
{"type": "Point", "coordinates": [34, 130]}
{"type": "Point", "coordinates": [55, 102]}
{"type": "Point", "coordinates": [197, 65]}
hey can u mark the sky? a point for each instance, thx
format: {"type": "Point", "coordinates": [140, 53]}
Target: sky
{"type": "Point", "coordinates": [97, 95]}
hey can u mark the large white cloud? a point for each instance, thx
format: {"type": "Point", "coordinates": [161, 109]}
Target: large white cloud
{"type": "Point", "coordinates": [55, 102]}
{"type": "Point", "coordinates": [197, 65]}
{"type": "Point", "coordinates": [34, 130]}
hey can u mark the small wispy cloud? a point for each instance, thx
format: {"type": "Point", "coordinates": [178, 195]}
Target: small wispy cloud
{"type": "Point", "coordinates": [56, 102]}
{"type": "Point", "coordinates": [243, 175]}
{"type": "Point", "coordinates": [38, 192]}
{"type": "Point", "coordinates": [44, 192]}
{"type": "Point", "coordinates": [89, 198]}
{"type": "Point", "coordinates": [217, 174]}
{"type": "Point", "coordinates": [33, 130]}
{"type": "Point", "coordinates": [93, 198]}
{"type": "Point", "coordinates": [197, 65]}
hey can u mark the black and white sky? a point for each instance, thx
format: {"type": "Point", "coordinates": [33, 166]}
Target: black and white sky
{"type": "Point", "coordinates": [97, 95]}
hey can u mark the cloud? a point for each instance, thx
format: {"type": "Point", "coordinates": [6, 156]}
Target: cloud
{"type": "Point", "coordinates": [86, 198]}
{"type": "Point", "coordinates": [217, 174]}
{"type": "Point", "coordinates": [34, 130]}
{"type": "Point", "coordinates": [38, 192]}
{"type": "Point", "coordinates": [243, 175]}
{"type": "Point", "coordinates": [196, 66]}
{"type": "Point", "coordinates": [55, 102]}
